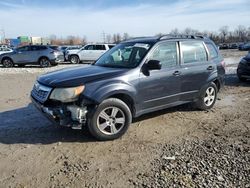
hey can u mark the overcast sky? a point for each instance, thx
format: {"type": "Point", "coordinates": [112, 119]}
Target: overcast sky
{"type": "Point", "coordinates": [137, 17]}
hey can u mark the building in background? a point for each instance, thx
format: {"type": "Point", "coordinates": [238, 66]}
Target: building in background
{"type": "Point", "coordinates": [13, 43]}
{"type": "Point", "coordinates": [36, 40]}
{"type": "Point", "coordinates": [45, 41]}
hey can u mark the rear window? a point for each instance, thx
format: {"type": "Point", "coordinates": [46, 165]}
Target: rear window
{"type": "Point", "coordinates": [111, 46]}
{"type": "Point", "coordinates": [212, 50]}
{"type": "Point", "coordinates": [100, 47]}
{"type": "Point", "coordinates": [193, 52]}
{"type": "Point", "coordinates": [54, 47]}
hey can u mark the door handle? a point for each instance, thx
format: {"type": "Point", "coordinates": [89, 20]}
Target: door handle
{"type": "Point", "coordinates": [177, 73]}
{"type": "Point", "coordinates": [210, 68]}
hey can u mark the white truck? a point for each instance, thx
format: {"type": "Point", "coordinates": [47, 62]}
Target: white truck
{"type": "Point", "coordinates": [90, 52]}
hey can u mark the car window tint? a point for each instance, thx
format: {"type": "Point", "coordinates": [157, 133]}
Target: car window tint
{"type": "Point", "coordinates": [90, 47]}
{"type": "Point", "coordinates": [100, 47]}
{"type": "Point", "coordinates": [166, 53]}
{"type": "Point", "coordinates": [212, 51]}
{"type": "Point", "coordinates": [193, 52]}
{"type": "Point", "coordinates": [24, 48]}
{"type": "Point", "coordinates": [111, 46]}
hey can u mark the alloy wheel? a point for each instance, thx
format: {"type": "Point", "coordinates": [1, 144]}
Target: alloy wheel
{"type": "Point", "coordinates": [209, 96]}
{"type": "Point", "coordinates": [111, 120]}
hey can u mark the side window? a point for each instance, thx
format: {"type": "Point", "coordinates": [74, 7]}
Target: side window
{"type": "Point", "coordinates": [111, 46]}
{"type": "Point", "coordinates": [166, 53]}
{"type": "Point", "coordinates": [212, 50]}
{"type": "Point", "coordinates": [89, 47]}
{"type": "Point", "coordinates": [24, 49]}
{"type": "Point", "coordinates": [193, 52]}
{"type": "Point", "coordinates": [100, 47]}
{"type": "Point", "coordinates": [34, 48]}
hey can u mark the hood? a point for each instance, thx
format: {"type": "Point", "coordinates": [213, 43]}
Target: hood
{"type": "Point", "coordinates": [80, 75]}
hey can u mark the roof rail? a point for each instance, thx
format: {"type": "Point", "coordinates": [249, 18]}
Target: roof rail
{"type": "Point", "coordinates": [170, 36]}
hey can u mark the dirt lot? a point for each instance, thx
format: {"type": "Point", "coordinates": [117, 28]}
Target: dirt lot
{"type": "Point", "coordinates": [176, 147]}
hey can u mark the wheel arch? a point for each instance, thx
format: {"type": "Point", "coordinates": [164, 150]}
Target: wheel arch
{"type": "Point", "coordinates": [6, 57]}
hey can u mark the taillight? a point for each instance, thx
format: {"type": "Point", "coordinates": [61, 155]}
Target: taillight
{"type": "Point", "coordinates": [223, 64]}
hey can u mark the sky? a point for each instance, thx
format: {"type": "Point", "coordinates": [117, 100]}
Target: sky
{"type": "Point", "coordinates": [91, 18]}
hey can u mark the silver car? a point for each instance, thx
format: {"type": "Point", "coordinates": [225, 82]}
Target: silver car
{"type": "Point", "coordinates": [30, 55]}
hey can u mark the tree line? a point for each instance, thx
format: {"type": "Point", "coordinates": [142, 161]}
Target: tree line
{"type": "Point", "coordinates": [222, 35]}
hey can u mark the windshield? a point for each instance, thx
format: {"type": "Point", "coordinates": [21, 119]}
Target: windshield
{"type": "Point", "coordinates": [125, 55]}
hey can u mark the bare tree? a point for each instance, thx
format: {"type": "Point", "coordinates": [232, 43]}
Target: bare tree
{"type": "Point", "coordinates": [224, 32]}
{"type": "Point", "coordinates": [175, 31]}
{"type": "Point", "coordinates": [125, 36]}
{"type": "Point", "coordinates": [241, 31]}
{"type": "Point", "coordinates": [108, 38]}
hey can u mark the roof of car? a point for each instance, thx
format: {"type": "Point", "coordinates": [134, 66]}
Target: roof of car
{"type": "Point", "coordinates": [166, 37]}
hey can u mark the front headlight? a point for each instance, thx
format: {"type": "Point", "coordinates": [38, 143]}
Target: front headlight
{"type": "Point", "coordinates": [66, 94]}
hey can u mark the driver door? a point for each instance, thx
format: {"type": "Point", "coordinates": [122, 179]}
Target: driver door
{"type": "Point", "coordinates": [160, 88]}
{"type": "Point", "coordinates": [22, 55]}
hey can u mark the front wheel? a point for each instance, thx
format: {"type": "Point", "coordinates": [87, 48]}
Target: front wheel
{"type": "Point", "coordinates": [74, 59]}
{"type": "Point", "coordinates": [208, 97]}
{"type": "Point", "coordinates": [110, 120]}
{"type": "Point", "coordinates": [7, 63]}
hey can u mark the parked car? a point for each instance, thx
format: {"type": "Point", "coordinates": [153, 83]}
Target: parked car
{"type": "Point", "coordinates": [243, 70]}
{"type": "Point", "coordinates": [135, 77]}
{"type": "Point", "coordinates": [223, 46]}
{"type": "Point", "coordinates": [5, 50]}
{"type": "Point", "coordinates": [32, 54]}
{"type": "Point", "coordinates": [64, 49]}
{"type": "Point", "coordinates": [233, 46]}
{"type": "Point", "coordinates": [58, 52]}
{"type": "Point", "coordinates": [245, 47]}
{"type": "Point", "coordinates": [89, 52]}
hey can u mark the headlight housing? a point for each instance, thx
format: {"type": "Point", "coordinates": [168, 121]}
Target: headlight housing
{"type": "Point", "coordinates": [66, 94]}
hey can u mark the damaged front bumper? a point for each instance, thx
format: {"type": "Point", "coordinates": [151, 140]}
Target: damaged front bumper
{"type": "Point", "coordinates": [68, 115]}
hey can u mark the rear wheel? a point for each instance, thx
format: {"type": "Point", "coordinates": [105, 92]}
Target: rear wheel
{"type": "Point", "coordinates": [44, 62]}
{"type": "Point", "coordinates": [208, 97]}
{"type": "Point", "coordinates": [110, 120]}
{"type": "Point", "coordinates": [7, 63]}
{"type": "Point", "coordinates": [74, 59]}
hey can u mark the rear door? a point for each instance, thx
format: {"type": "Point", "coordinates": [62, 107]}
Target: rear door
{"type": "Point", "coordinates": [195, 68]}
{"type": "Point", "coordinates": [99, 49]}
{"type": "Point", "coordinates": [161, 87]}
{"type": "Point", "coordinates": [22, 55]}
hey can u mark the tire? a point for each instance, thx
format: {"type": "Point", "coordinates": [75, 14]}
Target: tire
{"type": "Point", "coordinates": [74, 59]}
{"type": "Point", "coordinates": [109, 120]}
{"type": "Point", "coordinates": [208, 97]}
{"type": "Point", "coordinates": [240, 77]}
{"type": "Point", "coordinates": [44, 62]}
{"type": "Point", "coordinates": [7, 63]}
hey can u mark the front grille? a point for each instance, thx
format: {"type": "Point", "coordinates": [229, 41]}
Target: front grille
{"type": "Point", "coordinates": [40, 92]}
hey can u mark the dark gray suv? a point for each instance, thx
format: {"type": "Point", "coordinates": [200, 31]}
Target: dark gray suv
{"type": "Point", "coordinates": [135, 77]}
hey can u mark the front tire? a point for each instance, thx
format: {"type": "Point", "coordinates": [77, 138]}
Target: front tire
{"type": "Point", "coordinates": [110, 120]}
{"type": "Point", "coordinates": [7, 63]}
{"type": "Point", "coordinates": [208, 97]}
{"type": "Point", "coordinates": [74, 59]}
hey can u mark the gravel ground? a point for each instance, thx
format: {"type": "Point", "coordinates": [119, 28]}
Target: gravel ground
{"type": "Point", "coordinates": [176, 147]}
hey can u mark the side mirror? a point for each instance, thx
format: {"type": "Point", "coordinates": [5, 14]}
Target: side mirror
{"type": "Point", "coordinates": [154, 65]}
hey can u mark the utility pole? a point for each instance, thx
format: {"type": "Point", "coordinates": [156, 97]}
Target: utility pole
{"type": "Point", "coordinates": [2, 35]}
{"type": "Point", "coordinates": [104, 36]}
